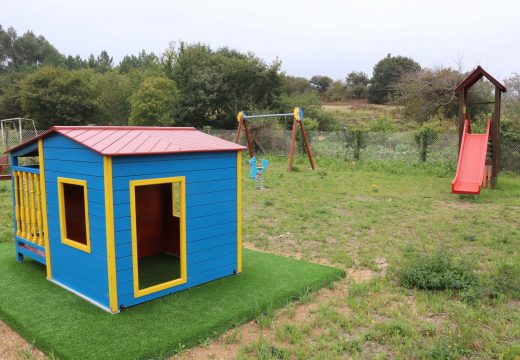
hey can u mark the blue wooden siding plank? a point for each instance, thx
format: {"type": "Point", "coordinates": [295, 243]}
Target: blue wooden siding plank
{"type": "Point", "coordinates": [202, 245]}
{"type": "Point", "coordinates": [157, 167]}
{"type": "Point", "coordinates": [170, 157]}
{"type": "Point", "coordinates": [208, 265]}
{"type": "Point", "coordinates": [195, 223]}
{"type": "Point", "coordinates": [82, 154]}
{"type": "Point", "coordinates": [61, 142]}
{"type": "Point", "coordinates": [74, 282]}
{"type": "Point", "coordinates": [217, 185]}
{"type": "Point", "coordinates": [95, 219]}
{"type": "Point", "coordinates": [203, 216]}
{"type": "Point", "coordinates": [74, 167]}
{"type": "Point", "coordinates": [93, 182]}
{"type": "Point", "coordinates": [96, 280]}
{"type": "Point", "coordinates": [94, 195]}
{"type": "Point", "coordinates": [212, 254]}
{"type": "Point", "coordinates": [95, 210]}
{"type": "Point", "coordinates": [211, 231]}
{"type": "Point", "coordinates": [123, 263]}
{"type": "Point", "coordinates": [191, 176]}
{"type": "Point", "coordinates": [97, 239]}
{"type": "Point", "coordinates": [211, 197]}
{"type": "Point", "coordinates": [211, 209]}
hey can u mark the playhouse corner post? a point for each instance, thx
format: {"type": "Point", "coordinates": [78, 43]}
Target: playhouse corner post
{"type": "Point", "coordinates": [239, 211]}
{"type": "Point", "coordinates": [110, 236]}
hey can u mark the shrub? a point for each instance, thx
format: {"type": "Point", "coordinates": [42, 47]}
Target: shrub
{"type": "Point", "coordinates": [437, 272]}
{"type": "Point", "coordinates": [424, 138]}
{"type": "Point", "coordinates": [382, 124]}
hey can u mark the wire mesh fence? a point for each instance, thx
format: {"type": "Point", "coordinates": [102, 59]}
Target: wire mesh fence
{"type": "Point", "coordinates": [376, 146]}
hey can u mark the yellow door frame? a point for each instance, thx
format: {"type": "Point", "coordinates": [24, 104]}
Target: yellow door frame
{"type": "Point", "coordinates": [138, 292]}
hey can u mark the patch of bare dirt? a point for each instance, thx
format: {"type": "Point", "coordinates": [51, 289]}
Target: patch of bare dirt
{"type": "Point", "coordinates": [13, 346]}
{"type": "Point", "coordinates": [361, 275]}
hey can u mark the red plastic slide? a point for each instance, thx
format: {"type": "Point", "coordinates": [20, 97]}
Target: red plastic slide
{"type": "Point", "coordinates": [472, 160]}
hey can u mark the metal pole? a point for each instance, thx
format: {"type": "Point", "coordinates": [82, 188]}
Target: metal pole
{"type": "Point", "coordinates": [266, 116]}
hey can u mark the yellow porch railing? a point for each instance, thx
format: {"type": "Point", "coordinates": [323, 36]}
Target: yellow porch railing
{"type": "Point", "coordinates": [28, 206]}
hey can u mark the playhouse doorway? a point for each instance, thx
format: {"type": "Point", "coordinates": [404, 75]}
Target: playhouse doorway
{"type": "Point", "coordinates": [158, 219]}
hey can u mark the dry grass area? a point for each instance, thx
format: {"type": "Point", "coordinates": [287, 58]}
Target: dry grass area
{"type": "Point", "coordinates": [360, 112]}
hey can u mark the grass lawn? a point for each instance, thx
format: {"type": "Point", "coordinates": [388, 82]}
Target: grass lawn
{"type": "Point", "coordinates": [66, 326]}
{"type": "Point", "coordinates": [373, 218]}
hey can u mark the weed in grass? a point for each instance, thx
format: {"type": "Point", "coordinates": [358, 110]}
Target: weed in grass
{"type": "Point", "coordinates": [470, 238]}
{"type": "Point", "coordinates": [232, 337]}
{"type": "Point", "coordinates": [261, 350]}
{"type": "Point", "coordinates": [513, 353]}
{"type": "Point", "coordinates": [289, 333]}
{"type": "Point", "coordinates": [268, 202]}
{"type": "Point", "coordinates": [385, 332]}
{"type": "Point", "coordinates": [354, 347]}
{"type": "Point", "coordinates": [264, 319]}
{"type": "Point", "coordinates": [439, 271]}
{"type": "Point", "coordinates": [305, 295]}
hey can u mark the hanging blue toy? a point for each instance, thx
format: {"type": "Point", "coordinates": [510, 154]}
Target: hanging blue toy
{"type": "Point", "coordinates": [257, 171]}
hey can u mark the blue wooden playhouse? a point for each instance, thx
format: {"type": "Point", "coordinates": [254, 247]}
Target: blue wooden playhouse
{"type": "Point", "coordinates": [123, 215]}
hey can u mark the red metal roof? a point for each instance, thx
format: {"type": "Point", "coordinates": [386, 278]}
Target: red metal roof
{"type": "Point", "coordinates": [126, 140]}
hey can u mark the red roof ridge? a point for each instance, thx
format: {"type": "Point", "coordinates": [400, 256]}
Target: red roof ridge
{"type": "Point", "coordinates": [111, 127]}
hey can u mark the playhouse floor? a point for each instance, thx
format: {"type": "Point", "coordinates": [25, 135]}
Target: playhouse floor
{"type": "Point", "coordinates": [157, 269]}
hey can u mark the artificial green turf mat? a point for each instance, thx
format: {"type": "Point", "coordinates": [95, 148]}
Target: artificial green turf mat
{"type": "Point", "coordinates": [157, 269]}
{"type": "Point", "coordinates": [61, 323]}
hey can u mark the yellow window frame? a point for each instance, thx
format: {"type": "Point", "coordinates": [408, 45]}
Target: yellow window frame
{"type": "Point", "coordinates": [181, 180]}
{"type": "Point", "coordinates": [63, 223]}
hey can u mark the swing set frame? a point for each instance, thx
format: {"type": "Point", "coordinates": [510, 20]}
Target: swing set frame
{"type": "Point", "coordinates": [297, 115]}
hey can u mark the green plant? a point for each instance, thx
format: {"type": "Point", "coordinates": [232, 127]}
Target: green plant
{"type": "Point", "coordinates": [424, 138]}
{"type": "Point", "coordinates": [439, 271]}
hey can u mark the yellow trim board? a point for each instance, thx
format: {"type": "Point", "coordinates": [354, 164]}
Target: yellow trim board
{"type": "Point", "coordinates": [63, 224]}
{"type": "Point", "coordinates": [44, 210]}
{"type": "Point", "coordinates": [239, 211]}
{"type": "Point", "coordinates": [109, 228]}
{"type": "Point", "coordinates": [138, 292]}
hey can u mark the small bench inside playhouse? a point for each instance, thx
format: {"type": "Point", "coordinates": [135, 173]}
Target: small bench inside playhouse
{"type": "Point", "coordinates": [123, 215]}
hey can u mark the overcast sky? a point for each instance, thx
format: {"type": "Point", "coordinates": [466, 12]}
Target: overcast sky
{"type": "Point", "coordinates": [309, 36]}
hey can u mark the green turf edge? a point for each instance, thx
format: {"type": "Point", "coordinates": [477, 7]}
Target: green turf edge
{"type": "Point", "coordinates": [217, 329]}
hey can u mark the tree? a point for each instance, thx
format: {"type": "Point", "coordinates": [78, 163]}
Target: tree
{"type": "Point", "coordinates": [356, 84]}
{"type": "Point", "coordinates": [113, 91]}
{"type": "Point", "coordinates": [216, 85]}
{"type": "Point", "coordinates": [27, 50]}
{"type": "Point", "coordinates": [320, 83]}
{"type": "Point", "coordinates": [142, 61]}
{"type": "Point", "coordinates": [102, 63]}
{"type": "Point", "coordinates": [55, 96]}
{"type": "Point", "coordinates": [154, 102]}
{"type": "Point", "coordinates": [511, 102]}
{"type": "Point", "coordinates": [388, 72]}
{"type": "Point", "coordinates": [336, 92]}
{"type": "Point", "coordinates": [292, 85]}
{"type": "Point", "coordinates": [426, 93]}
{"type": "Point", "coordinates": [355, 78]}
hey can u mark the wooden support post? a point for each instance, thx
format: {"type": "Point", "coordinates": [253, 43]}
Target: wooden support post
{"type": "Point", "coordinates": [495, 160]}
{"type": "Point", "coordinates": [307, 146]}
{"type": "Point", "coordinates": [237, 137]}
{"type": "Point", "coordinates": [248, 137]}
{"type": "Point", "coordinates": [293, 142]}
